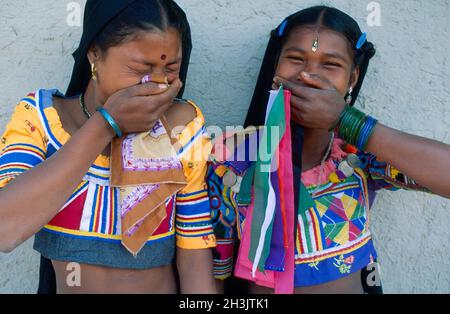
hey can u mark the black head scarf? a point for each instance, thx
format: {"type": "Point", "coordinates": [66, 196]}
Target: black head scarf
{"type": "Point", "coordinates": [97, 14]}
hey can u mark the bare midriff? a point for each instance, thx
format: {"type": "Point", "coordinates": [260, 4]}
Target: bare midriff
{"type": "Point", "coordinates": [350, 284]}
{"type": "Point", "coordinates": [98, 279]}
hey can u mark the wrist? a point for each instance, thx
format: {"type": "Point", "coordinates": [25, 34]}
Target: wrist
{"type": "Point", "coordinates": [338, 120]}
{"type": "Point", "coordinates": [110, 120]}
{"type": "Point", "coordinates": [355, 127]}
{"type": "Point", "coordinates": [104, 129]}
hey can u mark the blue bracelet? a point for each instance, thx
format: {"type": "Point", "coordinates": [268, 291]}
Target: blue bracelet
{"type": "Point", "coordinates": [366, 133]}
{"type": "Point", "coordinates": [110, 120]}
{"type": "Point", "coordinates": [373, 123]}
{"type": "Point", "coordinates": [362, 134]}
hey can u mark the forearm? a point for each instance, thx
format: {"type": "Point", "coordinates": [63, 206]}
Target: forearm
{"type": "Point", "coordinates": [195, 269]}
{"type": "Point", "coordinates": [34, 198]}
{"type": "Point", "coordinates": [320, 106]}
{"type": "Point", "coordinates": [424, 160]}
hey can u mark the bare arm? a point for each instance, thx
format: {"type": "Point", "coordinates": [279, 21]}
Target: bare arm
{"type": "Point", "coordinates": [319, 105]}
{"type": "Point", "coordinates": [195, 268]}
{"type": "Point", "coordinates": [49, 185]}
{"type": "Point", "coordinates": [426, 161]}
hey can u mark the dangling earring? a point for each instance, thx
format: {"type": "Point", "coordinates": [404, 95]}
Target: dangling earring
{"type": "Point", "coordinates": [93, 72]}
{"type": "Point", "coordinates": [348, 100]}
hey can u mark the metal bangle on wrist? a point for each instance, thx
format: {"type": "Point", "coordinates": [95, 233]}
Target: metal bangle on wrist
{"type": "Point", "coordinates": [105, 114]}
{"type": "Point", "coordinates": [355, 127]}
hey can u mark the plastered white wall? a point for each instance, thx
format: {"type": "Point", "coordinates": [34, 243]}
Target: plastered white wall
{"type": "Point", "coordinates": [406, 88]}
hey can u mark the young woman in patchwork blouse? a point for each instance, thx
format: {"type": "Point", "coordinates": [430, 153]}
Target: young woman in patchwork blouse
{"type": "Point", "coordinates": [340, 158]}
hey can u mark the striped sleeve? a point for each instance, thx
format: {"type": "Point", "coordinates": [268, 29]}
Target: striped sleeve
{"type": "Point", "coordinates": [22, 144]}
{"type": "Point", "coordinates": [382, 175]}
{"type": "Point", "coordinates": [193, 213]}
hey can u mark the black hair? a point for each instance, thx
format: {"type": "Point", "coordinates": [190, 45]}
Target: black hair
{"type": "Point", "coordinates": [109, 23]}
{"type": "Point", "coordinates": [340, 22]}
{"type": "Point", "coordinates": [320, 16]}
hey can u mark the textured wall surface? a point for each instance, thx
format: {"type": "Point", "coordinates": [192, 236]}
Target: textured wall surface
{"type": "Point", "coordinates": [406, 88]}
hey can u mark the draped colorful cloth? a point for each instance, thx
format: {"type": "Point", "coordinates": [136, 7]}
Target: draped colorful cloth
{"type": "Point", "coordinates": [230, 182]}
{"type": "Point", "coordinates": [146, 168]}
{"type": "Point", "coordinates": [266, 254]}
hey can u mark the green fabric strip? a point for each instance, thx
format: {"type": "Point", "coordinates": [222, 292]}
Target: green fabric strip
{"type": "Point", "coordinates": [245, 193]}
{"type": "Point", "coordinates": [305, 203]}
{"type": "Point", "coordinates": [276, 118]}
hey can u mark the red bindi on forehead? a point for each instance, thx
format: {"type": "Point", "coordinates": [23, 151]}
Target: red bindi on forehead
{"type": "Point", "coordinates": [163, 57]}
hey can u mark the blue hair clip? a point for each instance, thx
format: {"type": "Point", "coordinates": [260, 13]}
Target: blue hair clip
{"type": "Point", "coordinates": [361, 41]}
{"type": "Point", "coordinates": [282, 28]}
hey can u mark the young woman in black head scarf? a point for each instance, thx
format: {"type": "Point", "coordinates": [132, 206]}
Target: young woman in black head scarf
{"type": "Point", "coordinates": [130, 70]}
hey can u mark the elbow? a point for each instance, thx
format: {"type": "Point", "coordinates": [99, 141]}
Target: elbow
{"type": "Point", "coordinates": [6, 249]}
{"type": "Point", "coordinates": [11, 231]}
{"type": "Point", "coordinates": [8, 241]}
{"type": "Point", "coordinates": [7, 246]}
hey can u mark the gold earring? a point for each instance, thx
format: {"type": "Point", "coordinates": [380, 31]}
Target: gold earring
{"type": "Point", "coordinates": [93, 72]}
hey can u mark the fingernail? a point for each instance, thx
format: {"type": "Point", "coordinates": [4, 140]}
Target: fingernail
{"type": "Point", "coordinates": [305, 74]}
{"type": "Point", "coordinates": [146, 79]}
{"type": "Point", "coordinates": [163, 86]}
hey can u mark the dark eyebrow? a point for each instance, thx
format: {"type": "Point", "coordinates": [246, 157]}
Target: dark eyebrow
{"type": "Point", "coordinates": [328, 54]}
{"type": "Point", "coordinates": [336, 56]}
{"type": "Point", "coordinates": [175, 61]}
{"type": "Point", "coordinates": [141, 61]}
{"type": "Point", "coordinates": [295, 49]}
{"type": "Point", "coordinates": [144, 62]}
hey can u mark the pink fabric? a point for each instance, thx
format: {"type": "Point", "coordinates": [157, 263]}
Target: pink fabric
{"type": "Point", "coordinates": [311, 176]}
{"type": "Point", "coordinates": [244, 265]}
{"type": "Point", "coordinates": [225, 249]}
{"type": "Point", "coordinates": [282, 282]}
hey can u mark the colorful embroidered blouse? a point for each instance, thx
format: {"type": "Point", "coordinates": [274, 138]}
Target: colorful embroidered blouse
{"type": "Point", "coordinates": [87, 229]}
{"type": "Point", "coordinates": [332, 238]}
